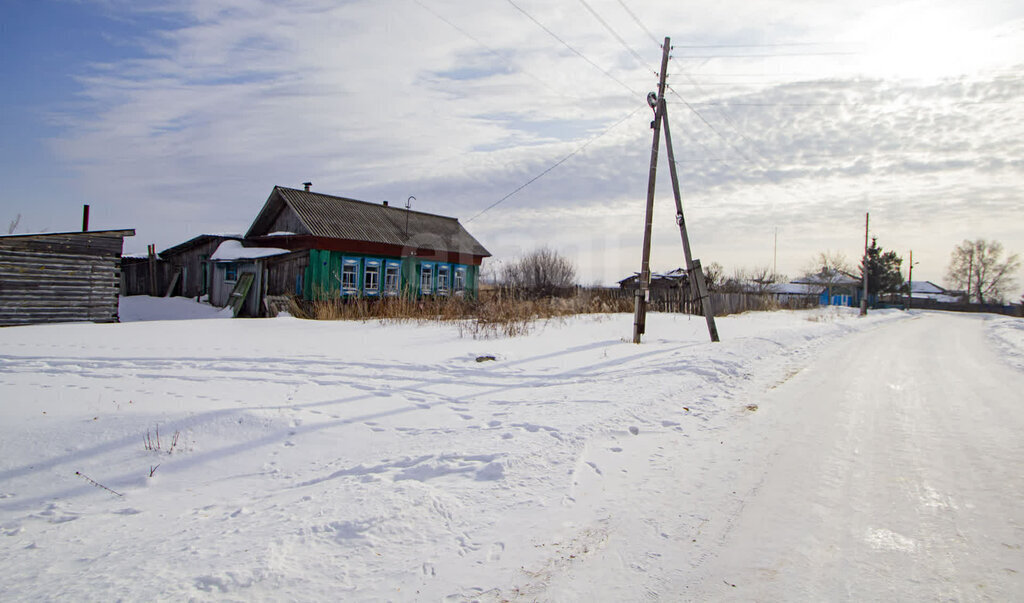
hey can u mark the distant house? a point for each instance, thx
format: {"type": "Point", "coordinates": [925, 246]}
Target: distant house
{"type": "Point", "coordinates": [669, 291]}
{"type": "Point", "coordinates": [789, 293]}
{"type": "Point", "coordinates": [840, 288]}
{"type": "Point", "coordinates": [60, 277]}
{"type": "Point", "coordinates": [359, 249]}
{"type": "Point", "coordinates": [316, 247]}
{"type": "Point", "coordinates": [929, 290]}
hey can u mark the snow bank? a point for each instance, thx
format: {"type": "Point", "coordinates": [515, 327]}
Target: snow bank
{"type": "Point", "coordinates": [144, 307]}
{"type": "Point", "coordinates": [1008, 334]}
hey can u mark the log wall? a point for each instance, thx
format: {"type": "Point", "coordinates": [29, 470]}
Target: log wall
{"type": "Point", "coordinates": [61, 277]}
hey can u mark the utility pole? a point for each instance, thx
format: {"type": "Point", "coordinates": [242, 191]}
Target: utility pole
{"type": "Point", "coordinates": [693, 268]}
{"type": "Point", "coordinates": [694, 272]}
{"type": "Point", "coordinates": [864, 299]}
{"type": "Point", "coordinates": [970, 275]}
{"type": "Point", "coordinates": [644, 282]}
{"type": "Point", "coordinates": [910, 281]}
{"type": "Point", "coordinates": [775, 256]}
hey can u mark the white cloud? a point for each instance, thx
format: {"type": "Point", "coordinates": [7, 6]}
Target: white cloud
{"type": "Point", "coordinates": [459, 103]}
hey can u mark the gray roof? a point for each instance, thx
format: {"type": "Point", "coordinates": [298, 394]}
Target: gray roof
{"type": "Point", "coordinates": [341, 218]}
{"type": "Point", "coordinates": [925, 287]}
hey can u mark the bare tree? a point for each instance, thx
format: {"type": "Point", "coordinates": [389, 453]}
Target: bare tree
{"type": "Point", "coordinates": [540, 273]}
{"type": "Point", "coordinates": [714, 276]}
{"type": "Point", "coordinates": [761, 278]}
{"type": "Point", "coordinates": [828, 268]}
{"type": "Point", "coordinates": [14, 224]}
{"type": "Point", "coordinates": [976, 266]}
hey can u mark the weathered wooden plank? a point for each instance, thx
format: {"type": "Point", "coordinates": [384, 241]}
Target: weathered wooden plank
{"type": "Point", "coordinates": [106, 243]}
{"type": "Point", "coordinates": [60, 277]}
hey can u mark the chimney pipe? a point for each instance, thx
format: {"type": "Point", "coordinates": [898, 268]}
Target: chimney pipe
{"type": "Point", "coordinates": [307, 185]}
{"type": "Point", "coordinates": [385, 204]}
{"type": "Point", "coordinates": [85, 218]}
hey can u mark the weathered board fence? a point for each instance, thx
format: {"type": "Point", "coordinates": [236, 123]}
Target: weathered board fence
{"type": "Point", "coordinates": [930, 304]}
{"type": "Point", "coordinates": [60, 277]}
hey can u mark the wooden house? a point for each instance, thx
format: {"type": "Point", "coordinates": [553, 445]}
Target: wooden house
{"type": "Point", "coordinates": [241, 276]}
{"type": "Point", "coordinates": [182, 270]}
{"type": "Point", "coordinates": [840, 288]}
{"type": "Point", "coordinates": [668, 291]}
{"type": "Point", "coordinates": [189, 264]}
{"type": "Point", "coordinates": [61, 277]}
{"type": "Point", "coordinates": [352, 248]}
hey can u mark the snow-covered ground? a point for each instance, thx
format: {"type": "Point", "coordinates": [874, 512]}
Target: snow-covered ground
{"type": "Point", "coordinates": [809, 455]}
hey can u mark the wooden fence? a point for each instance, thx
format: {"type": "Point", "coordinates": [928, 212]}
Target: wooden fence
{"type": "Point", "coordinates": [676, 299]}
{"type": "Point", "coordinates": [929, 304]}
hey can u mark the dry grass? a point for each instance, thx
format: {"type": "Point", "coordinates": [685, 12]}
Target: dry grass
{"type": "Point", "coordinates": [497, 314]}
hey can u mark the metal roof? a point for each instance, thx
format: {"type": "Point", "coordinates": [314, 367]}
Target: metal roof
{"type": "Point", "coordinates": [342, 218]}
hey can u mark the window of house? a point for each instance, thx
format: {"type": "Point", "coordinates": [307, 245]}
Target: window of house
{"type": "Point", "coordinates": [391, 278]}
{"type": "Point", "coordinates": [443, 271]}
{"type": "Point", "coordinates": [231, 272]}
{"type": "Point", "coordinates": [371, 277]}
{"type": "Point", "coordinates": [426, 279]}
{"type": "Point", "coordinates": [349, 276]}
{"type": "Point", "coordinates": [459, 285]}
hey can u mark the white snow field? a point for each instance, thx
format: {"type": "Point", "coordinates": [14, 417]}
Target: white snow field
{"type": "Point", "coordinates": [808, 456]}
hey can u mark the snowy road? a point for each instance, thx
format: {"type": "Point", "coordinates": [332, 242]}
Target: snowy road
{"type": "Point", "coordinates": [888, 469]}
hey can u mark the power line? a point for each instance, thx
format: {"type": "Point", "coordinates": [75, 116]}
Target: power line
{"type": "Point", "coordinates": [727, 117]}
{"type": "Point", "coordinates": [774, 45]}
{"type": "Point", "coordinates": [615, 34]}
{"type": "Point", "coordinates": [768, 55]}
{"type": "Point", "coordinates": [502, 57]}
{"type": "Point", "coordinates": [556, 164]}
{"type": "Point", "coordinates": [567, 45]}
{"type": "Point", "coordinates": [709, 125]}
{"type": "Point", "coordinates": [640, 23]}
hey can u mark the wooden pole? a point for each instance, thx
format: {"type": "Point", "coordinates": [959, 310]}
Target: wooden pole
{"type": "Point", "coordinates": [152, 269]}
{"type": "Point", "coordinates": [864, 300]}
{"type": "Point", "coordinates": [643, 284]}
{"type": "Point", "coordinates": [970, 273]}
{"type": "Point", "coordinates": [910, 281]}
{"type": "Point", "coordinates": [693, 269]}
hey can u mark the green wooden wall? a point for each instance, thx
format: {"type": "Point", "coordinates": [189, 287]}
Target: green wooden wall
{"type": "Point", "coordinates": [323, 274]}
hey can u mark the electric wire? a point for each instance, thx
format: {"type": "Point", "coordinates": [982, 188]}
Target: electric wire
{"type": "Point", "coordinates": [490, 50]}
{"type": "Point", "coordinates": [710, 125]}
{"type": "Point", "coordinates": [557, 163]}
{"type": "Point", "coordinates": [640, 23]}
{"type": "Point", "coordinates": [571, 48]}
{"type": "Point", "coordinates": [616, 35]}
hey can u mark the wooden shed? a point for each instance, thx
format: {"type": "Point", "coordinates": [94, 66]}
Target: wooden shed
{"type": "Point", "coordinates": [60, 277]}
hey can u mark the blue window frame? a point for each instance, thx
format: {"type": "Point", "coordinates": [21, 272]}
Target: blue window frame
{"type": "Point", "coordinates": [427, 278]}
{"type": "Point", "coordinates": [459, 282]}
{"type": "Point", "coordinates": [371, 276]}
{"type": "Point", "coordinates": [444, 272]}
{"type": "Point", "coordinates": [350, 276]}
{"type": "Point", "coordinates": [392, 277]}
{"type": "Point", "coordinates": [231, 272]}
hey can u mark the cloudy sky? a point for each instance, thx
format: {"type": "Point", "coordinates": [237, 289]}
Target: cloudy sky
{"type": "Point", "coordinates": [790, 120]}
